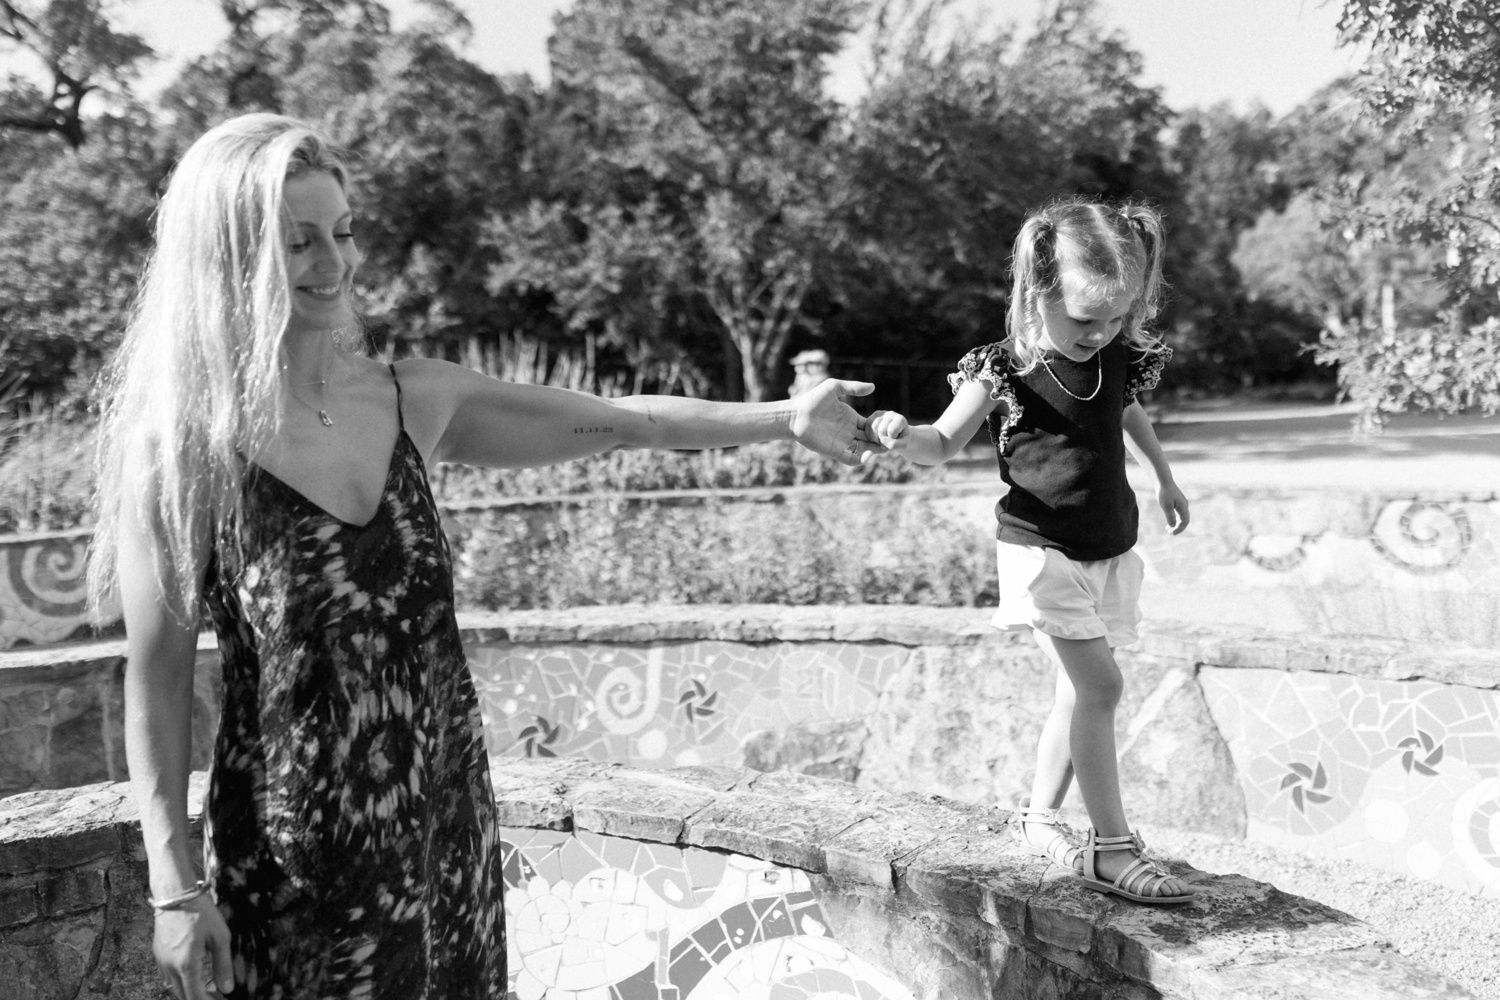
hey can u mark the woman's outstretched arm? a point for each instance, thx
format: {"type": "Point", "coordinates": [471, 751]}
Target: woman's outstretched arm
{"type": "Point", "coordinates": [474, 419]}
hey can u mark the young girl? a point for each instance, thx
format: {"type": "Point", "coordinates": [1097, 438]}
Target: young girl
{"type": "Point", "coordinates": [1056, 394]}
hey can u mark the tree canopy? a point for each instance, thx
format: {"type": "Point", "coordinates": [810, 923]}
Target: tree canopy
{"type": "Point", "coordinates": [685, 203]}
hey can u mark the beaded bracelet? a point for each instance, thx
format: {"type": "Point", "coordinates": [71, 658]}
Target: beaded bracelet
{"type": "Point", "coordinates": [175, 902]}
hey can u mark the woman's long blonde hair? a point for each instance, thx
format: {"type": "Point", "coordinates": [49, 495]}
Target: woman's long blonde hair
{"type": "Point", "coordinates": [193, 391]}
{"type": "Point", "coordinates": [1111, 248]}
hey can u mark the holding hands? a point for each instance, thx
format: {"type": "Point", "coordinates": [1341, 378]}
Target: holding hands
{"type": "Point", "coordinates": [890, 428]}
{"type": "Point", "coordinates": [823, 422]}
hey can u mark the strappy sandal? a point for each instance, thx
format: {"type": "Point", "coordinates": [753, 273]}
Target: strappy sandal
{"type": "Point", "coordinates": [1140, 882]}
{"type": "Point", "coordinates": [1057, 848]}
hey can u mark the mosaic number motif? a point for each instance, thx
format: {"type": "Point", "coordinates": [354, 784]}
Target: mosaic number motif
{"type": "Point", "coordinates": [1404, 776]}
{"type": "Point", "coordinates": [592, 917]}
{"type": "Point", "coordinates": [42, 587]}
{"type": "Point", "coordinates": [669, 705]}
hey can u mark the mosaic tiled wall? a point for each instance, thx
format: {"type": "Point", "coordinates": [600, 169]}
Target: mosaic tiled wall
{"type": "Point", "coordinates": [670, 704]}
{"type": "Point", "coordinates": [42, 587]}
{"type": "Point", "coordinates": [591, 917]}
{"type": "Point", "coordinates": [1403, 776]}
{"type": "Point", "coordinates": [1330, 563]}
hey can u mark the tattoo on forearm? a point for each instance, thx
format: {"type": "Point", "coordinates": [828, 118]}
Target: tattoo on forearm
{"type": "Point", "coordinates": [593, 430]}
{"type": "Point", "coordinates": [649, 417]}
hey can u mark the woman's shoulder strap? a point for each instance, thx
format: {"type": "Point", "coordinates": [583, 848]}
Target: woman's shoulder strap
{"type": "Point", "coordinates": [399, 419]}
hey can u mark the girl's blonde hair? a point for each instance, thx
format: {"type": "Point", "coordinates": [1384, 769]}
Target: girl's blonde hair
{"type": "Point", "coordinates": [192, 393]}
{"type": "Point", "coordinates": [1107, 247]}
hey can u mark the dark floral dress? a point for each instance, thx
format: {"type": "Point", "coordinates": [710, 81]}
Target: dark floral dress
{"type": "Point", "coordinates": [350, 830]}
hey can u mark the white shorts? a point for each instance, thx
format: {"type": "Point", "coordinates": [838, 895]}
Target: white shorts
{"type": "Point", "coordinates": [1045, 590]}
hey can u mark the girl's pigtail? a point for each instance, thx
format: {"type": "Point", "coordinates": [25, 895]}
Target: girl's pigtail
{"type": "Point", "coordinates": [1146, 224]}
{"type": "Point", "coordinates": [1034, 274]}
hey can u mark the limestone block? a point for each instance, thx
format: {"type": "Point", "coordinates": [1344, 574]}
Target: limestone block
{"type": "Point", "coordinates": [932, 957]}
{"type": "Point", "coordinates": [49, 959]}
{"type": "Point", "coordinates": [77, 752]}
{"type": "Point", "coordinates": [960, 720]}
{"type": "Point", "coordinates": [638, 807]}
{"type": "Point", "coordinates": [786, 832]}
{"type": "Point", "coordinates": [827, 749]}
{"type": "Point", "coordinates": [1175, 767]}
{"type": "Point", "coordinates": [979, 875]}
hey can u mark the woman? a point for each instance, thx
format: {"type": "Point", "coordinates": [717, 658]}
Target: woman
{"type": "Point", "coordinates": [251, 463]}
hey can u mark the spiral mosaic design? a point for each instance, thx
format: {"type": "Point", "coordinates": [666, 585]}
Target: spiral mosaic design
{"type": "Point", "coordinates": [1423, 537]}
{"type": "Point", "coordinates": [48, 575]}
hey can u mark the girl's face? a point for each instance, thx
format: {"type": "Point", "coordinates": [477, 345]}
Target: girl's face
{"type": "Point", "coordinates": [1080, 320]}
{"type": "Point", "coordinates": [320, 251]}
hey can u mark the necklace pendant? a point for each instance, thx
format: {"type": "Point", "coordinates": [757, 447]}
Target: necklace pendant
{"type": "Point", "coordinates": [323, 416]}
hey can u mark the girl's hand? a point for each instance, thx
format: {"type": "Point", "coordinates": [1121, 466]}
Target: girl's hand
{"type": "Point", "coordinates": [185, 939]}
{"type": "Point", "coordinates": [890, 429]}
{"type": "Point", "coordinates": [1174, 504]}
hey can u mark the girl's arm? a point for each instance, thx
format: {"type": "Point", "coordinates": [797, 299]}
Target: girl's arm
{"type": "Point", "coordinates": [1140, 439]}
{"type": "Point", "coordinates": [160, 653]}
{"type": "Point", "coordinates": [456, 414]}
{"type": "Point", "coordinates": [935, 443]}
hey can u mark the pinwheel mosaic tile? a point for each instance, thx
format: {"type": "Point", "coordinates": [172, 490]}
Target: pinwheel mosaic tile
{"type": "Point", "coordinates": [669, 704]}
{"type": "Point", "coordinates": [1403, 775]}
{"type": "Point", "coordinates": [591, 917]}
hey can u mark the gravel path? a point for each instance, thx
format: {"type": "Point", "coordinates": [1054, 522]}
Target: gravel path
{"type": "Point", "coordinates": [1451, 932]}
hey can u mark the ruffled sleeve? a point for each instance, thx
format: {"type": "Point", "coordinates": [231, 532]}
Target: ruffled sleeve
{"type": "Point", "coordinates": [991, 364]}
{"type": "Point", "coordinates": [1144, 371]}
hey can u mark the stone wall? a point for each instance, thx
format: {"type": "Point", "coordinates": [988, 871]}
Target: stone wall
{"type": "Point", "coordinates": [660, 883]}
{"type": "Point", "coordinates": [1382, 750]}
{"type": "Point", "coordinates": [73, 885]}
{"type": "Point", "coordinates": [61, 710]}
{"type": "Point", "coordinates": [1374, 749]}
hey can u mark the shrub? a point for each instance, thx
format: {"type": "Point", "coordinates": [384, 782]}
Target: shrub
{"type": "Point", "coordinates": [776, 463]}
{"type": "Point", "coordinates": [46, 472]}
{"type": "Point", "coordinates": [1447, 370]}
{"type": "Point", "coordinates": [818, 547]}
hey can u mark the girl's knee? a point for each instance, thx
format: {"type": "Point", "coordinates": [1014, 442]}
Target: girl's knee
{"type": "Point", "coordinates": [1101, 689]}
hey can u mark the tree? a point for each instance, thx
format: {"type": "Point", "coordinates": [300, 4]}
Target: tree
{"type": "Point", "coordinates": [1432, 84]}
{"type": "Point", "coordinates": [1230, 174]}
{"type": "Point", "coordinates": [960, 135]}
{"type": "Point", "coordinates": [706, 122]}
{"type": "Point", "coordinates": [73, 234]}
{"type": "Point", "coordinates": [79, 49]}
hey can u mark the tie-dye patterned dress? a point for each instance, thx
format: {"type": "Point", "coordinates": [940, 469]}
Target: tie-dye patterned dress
{"type": "Point", "coordinates": [350, 830]}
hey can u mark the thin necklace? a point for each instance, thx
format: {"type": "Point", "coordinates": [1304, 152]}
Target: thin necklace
{"type": "Point", "coordinates": [322, 384]}
{"type": "Point", "coordinates": [1082, 399]}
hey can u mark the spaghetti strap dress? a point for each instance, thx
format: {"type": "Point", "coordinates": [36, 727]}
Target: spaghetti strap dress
{"type": "Point", "coordinates": [350, 833]}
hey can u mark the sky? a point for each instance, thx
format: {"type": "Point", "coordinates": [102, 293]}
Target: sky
{"type": "Point", "coordinates": [1200, 52]}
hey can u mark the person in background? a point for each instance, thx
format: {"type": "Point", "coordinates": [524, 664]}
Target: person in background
{"type": "Point", "coordinates": [254, 461]}
{"type": "Point", "coordinates": [812, 370]}
{"type": "Point", "coordinates": [1059, 397]}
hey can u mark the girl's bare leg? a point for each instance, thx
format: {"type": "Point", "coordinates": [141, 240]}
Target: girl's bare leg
{"type": "Point", "coordinates": [1054, 759]}
{"type": "Point", "coordinates": [1096, 683]}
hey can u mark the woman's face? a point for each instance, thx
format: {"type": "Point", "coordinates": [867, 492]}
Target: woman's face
{"type": "Point", "coordinates": [320, 251]}
{"type": "Point", "coordinates": [1080, 321]}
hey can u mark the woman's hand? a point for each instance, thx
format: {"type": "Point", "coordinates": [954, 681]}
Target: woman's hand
{"type": "Point", "coordinates": [186, 939]}
{"type": "Point", "coordinates": [824, 423]}
{"type": "Point", "coordinates": [1174, 504]}
{"type": "Point", "coordinates": [890, 428]}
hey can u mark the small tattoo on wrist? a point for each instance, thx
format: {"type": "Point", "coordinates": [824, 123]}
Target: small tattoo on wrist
{"type": "Point", "coordinates": [593, 430]}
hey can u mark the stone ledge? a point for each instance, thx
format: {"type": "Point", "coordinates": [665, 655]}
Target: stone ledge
{"type": "Point", "coordinates": [952, 863]}
{"type": "Point", "coordinates": [1373, 657]}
